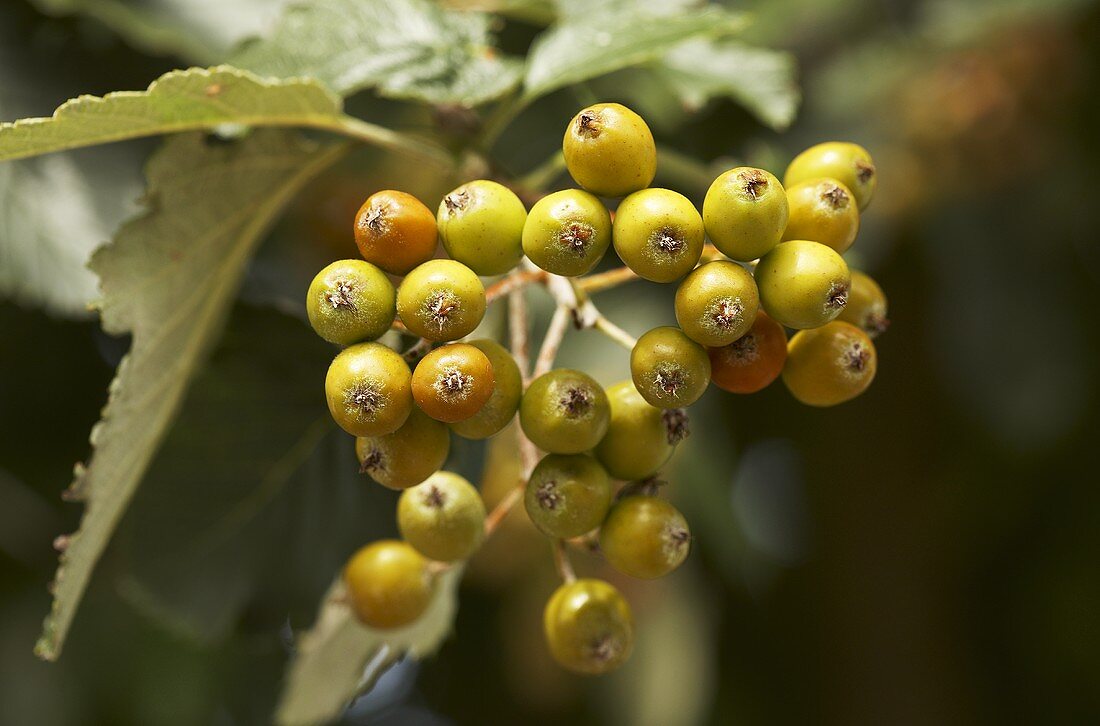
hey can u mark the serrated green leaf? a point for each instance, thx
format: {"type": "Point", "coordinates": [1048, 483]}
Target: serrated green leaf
{"type": "Point", "coordinates": [611, 37]}
{"type": "Point", "coordinates": [339, 658]}
{"type": "Point", "coordinates": [761, 80]}
{"type": "Point", "coordinates": [168, 279]}
{"type": "Point", "coordinates": [196, 98]}
{"type": "Point", "coordinates": [404, 48]}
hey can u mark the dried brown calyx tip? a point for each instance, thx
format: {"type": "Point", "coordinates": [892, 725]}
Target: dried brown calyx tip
{"type": "Point", "coordinates": [439, 306]}
{"type": "Point", "coordinates": [371, 462]}
{"type": "Point", "coordinates": [864, 171]}
{"type": "Point", "coordinates": [838, 296]}
{"type": "Point", "coordinates": [375, 220]}
{"type": "Point", "coordinates": [435, 497]}
{"type": "Point", "coordinates": [835, 197]}
{"type": "Point", "coordinates": [364, 397]}
{"type": "Point", "coordinates": [677, 425]}
{"type": "Point", "coordinates": [576, 401]}
{"type": "Point", "coordinates": [456, 201]}
{"type": "Point", "coordinates": [588, 124]}
{"type": "Point", "coordinates": [340, 295]}
{"type": "Point", "coordinates": [856, 357]}
{"type": "Point", "coordinates": [453, 382]}
{"type": "Point", "coordinates": [745, 347]}
{"type": "Point", "coordinates": [668, 241]}
{"type": "Point", "coordinates": [753, 183]}
{"type": "Point", "coordinates": [677, 536]}
{"type": "Point", "coordinates": [576, 236]}
{"type": "Point", "coordinates": [604, 648]}
{"type": "Point", "coordinates": [547, 495]}
{"type": "Point", "coordinates": [876, 324]}
{"type": "Point", "coordinates": [726, 313]}
{"type": "Point", "coordinates": [669, 380]}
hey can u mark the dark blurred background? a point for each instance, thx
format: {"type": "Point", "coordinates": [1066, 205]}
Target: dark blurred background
{"type": "Point", "coordinates": [927, 554]}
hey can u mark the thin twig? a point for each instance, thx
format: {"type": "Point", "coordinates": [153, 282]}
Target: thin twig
{"type": "Point", "coordinates": [513, 281]}
{"type": "Point", "coordinates": [607, 280]}
{"type": "Point", "coordinates": [417, 351]}
{"type": "Point", "coordinates": [559, 323]}
{"type": "Point", "coordinates": [562, 563]}
{"type": "Point", "coordinates": [517, 331]}
{"type": "Point", "coordinates": [500, 511]}
{"type": "Point", "coordinates": [614, 332]}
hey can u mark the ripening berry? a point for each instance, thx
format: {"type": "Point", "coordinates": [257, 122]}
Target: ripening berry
{"type": "Point", "coordinates": [567, 495]}
{"type": "Point", "coordinates": [368, 389]}
{"type": "Point", "coordinates": [644, 537]}
{"type": "Point", "coordinates": [745, 212]}
{"type": "Point", "coordinates": [609, 150]}
{"type": "Point", "coordinates": [848, 163]}
{"type": "Point", "coordinates": [453, 382]}
{"type": "Point", "coordinates": [480, 224]}
{"type": "Point", "coordinates": [564, 412]}
{"type": "Point", "coordinates": [866, 306]}
{"type": "Point", "coordinates": [641, 437]}
{"type": "Point", "coordinates": [443, 518]}
{"type": "Point", "coordinates": [753, 361]}
{"type": "Point", "coordinates": [717, 303]}
{"type": "Point", "coordinates": [669, 369]}
{"type": "Point", "coordinates": [441, 300]}
{"type": "Point", "coordinates": [829, 365]}
{"type": "Point", "coordinates": [803, 284]}
{"type": "Point", "coordinates": [504, 401]}
{"type": "Point", "coordinates": [567, 232]}
{"type": "Point", "coordinates": [389, 584]}
{"type": "Point", "coordinates": [407, 456]}
{"type": "Point", "coordinates": [822, 210]}
{"type": "Point", "coordinates": [589, 628]}
{"type": "Point", "coordinates": [351, 301]}
{"type": "Point", "coordinates": [395, 231]}
{"type": "Point", "coordinates": [658, 234]}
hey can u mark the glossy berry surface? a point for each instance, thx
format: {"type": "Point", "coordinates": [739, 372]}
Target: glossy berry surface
{"type": "Point", "coordinates": [829, 365]}
{"type": "Point", "coordinates": [669, 369]}
{"type": "Point", "coordinates": [745, 212]}
{"type": "Point", "coordinates": [388, 584]}
{"type": "Point", "coordinates": [848, 163]}
{"type": "Point", "coordinates": [443, 518]}
{"type": "Point", "coordinates": [567, 232]}
{"type": "Point", "coordinates": [644, 537]}
{"type": "Point", "coordinates": [658, 234]}
{"type": "Point", "coordinates": [564, 412]}
{"type": "Point", "coordinates": [480, 224]}
{"type": "Point", "coordinates": [351, 301]}
{"type": "Point", "coordinates": [441, 300]}
{"type": "Point", "coordinates": [639, 440]}
{"type": "Point", "coordinates": [717, 303]}
{"type": "Point", "coordinates": [589, 627]}
{"type": "Point", "coordinates": [803, 284]}
{"type": "Point", "coordinates": [368, 390]}
{"type": "Point", "coordinates": [407, 456]}
{"type": "Point", "coordinates": [395, 231]}
{"type": "Point", "coordinates": [822, 210]}
{"type": "Point", "coordinates": [609, 150]}
{"type": "Point", "coordinates": [502, 405]}
{"type": "Point", "coordinates": [567, 495]}
{"type": "Point", "coordinates": [453, 382]}
{"type": "Point", "coordinates": [750, 363]}
{"type": "Point", "coordinates": [866, 306]}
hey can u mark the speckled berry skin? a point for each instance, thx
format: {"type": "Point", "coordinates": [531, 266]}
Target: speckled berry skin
{"type": "Point", "coordinates": [848, 163]}
{"type": "Point", "coordinates": [368, 390]}
{"type": "Point", "coordinates": [567, 495]}
{"type": "Point", "coordinates": [659, 234]}
{"type": "Point", "coordinates": [481, 225]}
{"type": "Point", "coordinates": [567, 232]}
{"type": "Point", "coordinates": [637, 443]}
{"type": "Point", "coordinates": [829, 365]}
{"type": "Point", "coordinates": [443, 518]}
{"type": "Point", "coordinates": [395, 231]}
{"type": "Point", "coordinates": [644, 537]}
{"type": "Point", "coordinates": [822, 210]}
{"type": "Point", "coordinates": [441, 300]}
{"type": "Point", "coordinates": [407, 456]}
{"type": "Point", "coordinates": [565, 412]}
{"type": "Point", "coordinates": [745, 212]}
{"type": "Point", "coordinates": [589, 627]}
{"type": "Point", "coordinates": [717, 303]}
{"type": "Point", "coordinates": [351, 301]}
{"type": "Point", "coordinates": [388, 583]}
{"type": "Point", "coordinates": [609, 150]}
{"type": "Point", "coordinates": [669, 369]}
{"type": "Point", "coordinates": [803, 284]}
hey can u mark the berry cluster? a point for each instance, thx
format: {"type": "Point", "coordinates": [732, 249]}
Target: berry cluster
{"type": "Point", "coordinates": [773, 247]}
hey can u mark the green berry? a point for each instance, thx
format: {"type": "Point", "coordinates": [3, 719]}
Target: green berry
{"type": "Point", "coordinates": [441, 300]}
{"type": "Point", "coordinates": [717, 303]}
{"type": "Point", "coordinates": [848, 163]}
{"type": "Point", "coordinates": [389, 585]}
{"type": "Point", "coordinates": [641, 437]}
{"type": "Point", "coordinates": [564, 412]}
{"type": "Point", "coordinates": [504, 401]}
{"type": "Point", "coordinates": [567, 495]}
{"type": "Point", "coordinates": [368, 389]}
{"type": "Point", "coordinates": [350, 301]}
{"type": "Point", "coordinates": [670, 370]}
{"type": "Point", "coordinates": [803, 284]}
{"type": "Point", "coordinates": [745, 212]}
{"type": "Point", "coordinates": [443, 518]}
{"type": "Point", "coordinates": [395, 231]}
{"type": "Point", "coordinates": [644, 537]}
{"type": "Point", "coordinates": [659, 234]}
{"type": "Point", "coordinates": [481, 224]}
{"type": "Point", "coordinates": [588, 626]}
{"type": "Point", "coordinates": [829, 365]}
{"type": "Point", "coordinates": [609, 150]}
{"type": "Point", "coordinates": [567, 232]}
{"type": "Point", "coordinates": [822, 210]}
{"type": "Point", "coordinates": [453, 382]}
{"type": "Point", "coordinates": [866, 306]}
{"type": "Point", "coordinates": [407, 456]}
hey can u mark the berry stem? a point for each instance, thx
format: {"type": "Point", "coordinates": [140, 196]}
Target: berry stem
{"type": "Point", "coordinates": [417, 351]}
{"type": "Point", "coordinates": [517, 331]}
{"type": "Point", "coordinates": [607, 280]}
{"type": "Point", "coordinates": [513, 281]}
{"type": "Point", "coordinates": [614, 332]}
{"type": "Point", "coordinates": [562, 563]}
{"type": "Point", "coordinates": [500, 511]}
{"type": "Point", "coordinates": [551, 342]}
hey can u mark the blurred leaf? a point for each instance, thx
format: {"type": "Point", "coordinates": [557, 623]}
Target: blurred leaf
{"type": "Point", "coordinates": [533, 11]}
{"type": "Point", "coordinates": [168, 279]}
{"type": "Point", "coordinates": [611, 35]}
{"type": "Point", "coordinates": [178, 101]}
{"type": "Point", "coordinates": [404, 48]}
{"type": "Point", "coordinates": [339, 658]}
{"type": "Point", "coordinates": [763, 81]}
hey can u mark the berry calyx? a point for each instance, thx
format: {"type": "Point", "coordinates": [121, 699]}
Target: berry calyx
{"type": "Point", "coordinates": [441, 300]}
{"type": "Point", "coordinates": [504, 401]}
{"type": "Point", "coordinates": [669, 369]}
{"type": "Point", "coordinates": [369, 390]}
{"type": "Point", "coordinates": [564, 412]}
{"type": "Point", "coordinates": [395, 231]}
{"type": "Point", "coordinates": [717, 303]}
{"type": "Point", "coordinates": [453, 382]}
{"type": "Point", "coordinates": [658, 234]}
{"type": "Point", "coordinates": [567, 232]}
{"type": "Point", "coordinates": [567, 495]}
{"type": "Point", "coordinates": [351, 301]}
